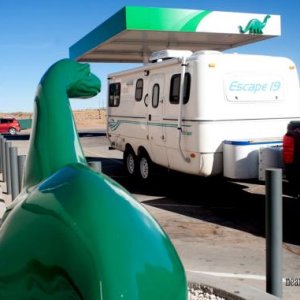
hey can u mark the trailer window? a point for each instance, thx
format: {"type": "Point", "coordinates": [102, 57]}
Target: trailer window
{"type": "Point", "coordinates": [155, 95]}
{"type": "Point", "coordinates": [114, 94]}
{"type": "Point", "coordinates": [139, 89]}
{"type": "Point", "coordinates": [175, 88]}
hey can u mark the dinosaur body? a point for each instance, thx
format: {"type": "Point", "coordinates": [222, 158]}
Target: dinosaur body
{"type": "Point", "coordinates": [73, 233]}
{"type": "Point", "coordinates": [255, 26]}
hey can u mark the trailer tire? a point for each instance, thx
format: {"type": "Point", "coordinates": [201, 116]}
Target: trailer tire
{"type": "Point", "coordinates": [129, 160]}
{"type": "Point", "coordinates": [145, 166]}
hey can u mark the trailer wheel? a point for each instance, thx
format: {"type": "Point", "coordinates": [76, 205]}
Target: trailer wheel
{"type": "Point", "coordinates": [145, 167]}
{"type": "Point", "coordinates": [130, 162]}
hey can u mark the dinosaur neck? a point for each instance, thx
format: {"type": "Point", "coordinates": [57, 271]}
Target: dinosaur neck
{"type": "Point", "coordinates": [265, 21]}
{"type": "Point", "coordinates": [54, 141]}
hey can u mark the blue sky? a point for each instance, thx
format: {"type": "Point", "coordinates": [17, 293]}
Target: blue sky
{"type": "Point", "coordinates": [35, 34]}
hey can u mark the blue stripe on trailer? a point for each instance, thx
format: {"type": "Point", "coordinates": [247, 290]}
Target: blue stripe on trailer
{"type": "Point", "coordinates": [251, 142]}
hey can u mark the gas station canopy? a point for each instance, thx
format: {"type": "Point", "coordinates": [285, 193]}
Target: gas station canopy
{"type": "Point", "coordinates": [133, 33]}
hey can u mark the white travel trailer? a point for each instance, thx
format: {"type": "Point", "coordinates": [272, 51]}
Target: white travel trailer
{"type": "Point", "coordinates": [153, 116]}
{"type": "Point", "coordinates": [192, 111]}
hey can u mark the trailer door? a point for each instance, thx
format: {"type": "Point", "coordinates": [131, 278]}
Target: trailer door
{"type": "Point", "coordinates": [156, 128]}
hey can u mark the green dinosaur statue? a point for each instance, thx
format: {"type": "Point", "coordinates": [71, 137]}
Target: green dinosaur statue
{"type": "Point", "coordinates": [73, 233]}
{"type": "Point", "coordinates": [255, 26]}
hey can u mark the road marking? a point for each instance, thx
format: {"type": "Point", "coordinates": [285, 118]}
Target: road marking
{"type": "Point", "coordinates": [231, 275]}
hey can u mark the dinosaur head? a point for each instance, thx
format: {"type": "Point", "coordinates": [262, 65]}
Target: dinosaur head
{"type": "Point", "coordinates": [84, 84]}
{"type": "Point", "coordinates": [75, 77]}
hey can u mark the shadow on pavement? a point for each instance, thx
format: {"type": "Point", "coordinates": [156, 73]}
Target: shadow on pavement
{"type": "Point", "coordinates": [17, 137]}
{"type": "Point", "coordinates": [25, 136]}
{"type": "Point", "coordinates": [91, 134]}
{"type": "Point", "coordinates": [217, 200]}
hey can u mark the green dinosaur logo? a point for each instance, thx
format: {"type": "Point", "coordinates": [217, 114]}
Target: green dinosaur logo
{"type": "Point", "coordinates": [255, 26]}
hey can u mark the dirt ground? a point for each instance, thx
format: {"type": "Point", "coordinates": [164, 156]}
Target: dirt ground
{"type": "Point", "coordinates": [86, 118]}
{"type": "Point", "coordinates": [90, 118]}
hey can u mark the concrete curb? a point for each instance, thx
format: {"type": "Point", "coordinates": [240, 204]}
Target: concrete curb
{"type": "Point", "coordinates": [226, 288]}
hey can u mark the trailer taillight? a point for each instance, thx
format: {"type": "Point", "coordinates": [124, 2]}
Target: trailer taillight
{"type": "Point", "coordinates": [288, 149]}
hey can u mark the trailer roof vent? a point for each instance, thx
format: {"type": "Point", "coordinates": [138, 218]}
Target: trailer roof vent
{"type": "Point", "coordinates": [168, 54]}
{"type": "Point", "coordinates": [206, 52]}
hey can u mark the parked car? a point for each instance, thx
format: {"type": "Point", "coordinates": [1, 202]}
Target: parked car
{"type": "Point", "coordinates": [9, 125]}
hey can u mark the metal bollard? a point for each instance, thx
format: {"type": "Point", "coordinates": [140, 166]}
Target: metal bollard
{"type": "Point", "coordinates": [96, 166]}
{"type": "Point", "coordinates": [3, 160]}
{"type": "Point", "coordinates": [8, 172]}
{"type": "Point", "coordinates": [274, 231]}
{"type": "Point", "coordinates": [21, 164]}
{"type": "Point", "coordinates": [13, 158]}
{"type": "Point", "coordinates": [1, 153]}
